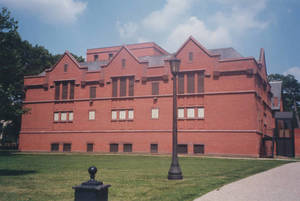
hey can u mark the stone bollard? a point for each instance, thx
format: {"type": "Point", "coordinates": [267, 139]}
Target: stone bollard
{"type": "Point", "coordinates": [91, 190]}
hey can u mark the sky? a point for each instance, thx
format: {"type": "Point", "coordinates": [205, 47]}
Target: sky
{"type": "Point", "coordinates": [245, 25]}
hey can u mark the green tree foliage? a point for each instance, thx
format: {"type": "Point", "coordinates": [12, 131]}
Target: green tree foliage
{"type": "Point", "coordinates": [18, 58]}
{"type": "Point", "coordinates": [290, 92]}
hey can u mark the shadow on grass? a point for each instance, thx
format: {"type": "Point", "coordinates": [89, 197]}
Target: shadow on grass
{"type": "Point", "coordinates": [5, 172]}
{"type": "Point", "coordinates": [7, 153]}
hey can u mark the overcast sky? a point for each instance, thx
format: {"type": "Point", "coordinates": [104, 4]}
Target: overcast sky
{"type": "Point", "coordinates": [246, 25]}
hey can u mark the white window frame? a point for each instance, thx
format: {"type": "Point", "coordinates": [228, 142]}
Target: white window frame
{"type": "Point", "coordinates": [130, 114]}
{"type": "Point", "coordinates": [122, 115]}
{"type": "Point", "coordinates": [114, 115]}
{"type": "Point", "coordinates": [155, 113]}
{"type": "Point", "coordinates": [71, 116]}
{"type": "Point", "coordinates": [180, 113]}
{"type": "Point", "coordinates": [63, 116]}
{"type": "Point", "coordinates": [56, 116]}
{"type": "Point", "coordinates": [92, 115]}
{"type": "Point", "coordinates": [201, 112]}
{"type": "Point", "coordinates": [190, 113]}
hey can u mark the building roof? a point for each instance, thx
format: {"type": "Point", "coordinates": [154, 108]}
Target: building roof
{"type": "Point", "coordinates": [276, 91]}
{"type": "Point", "coordinates": [226, 53]}
{"type": "Point", "coordinates": [154, 61]}
{"type": "Point", "coordinates": [95, 65]}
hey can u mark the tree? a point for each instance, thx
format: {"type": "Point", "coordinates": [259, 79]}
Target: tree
{"type": "Point", "coordinates": [290, 93]}
{"type": "Point", "coordinates": [18, 58]}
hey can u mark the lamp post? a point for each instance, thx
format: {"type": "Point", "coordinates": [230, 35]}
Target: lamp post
{"type": "Point", "coordinates": [174, 171]}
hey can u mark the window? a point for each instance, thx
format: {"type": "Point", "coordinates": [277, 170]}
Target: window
{"type": "Point", "coordinates": [63, 116]}
{"type": "Point", "coordinates": [92, 92]}
{"type": "Point", "coordinates": [123, 63]}
{"type": "Point", "coordinates": [114, 87]}
{"type": "Point", "coordinates": [198, 148]}
{"type": "Point", "coordinates": [95, 57]}
{"type": "Point", "coordinates": [130, 114]}
{"type": "Point", "coordinates": [122, 115]}
{"type": "Point", "coordinates": [191, 56]}
{"type": "Point", "coordinates": [131, 86]}
{"type": "Point", "coordinates": [92, 115]}
{"type": "Point", "coordinates": [114, 147]}
{"type": "Point", "coordinates": [72, 89]}
{"type": "Point", "coordinates": [56, 116]}
{"type": "Point", "coordinates": [182, 148]}
{"type": "Point", "coordinates": [127, 148]}
{"type": "Point", "coordinates": [180, 113]}
{"type": "Point", "coordinates": [54, 147]}
{"type": "Point", "coordinates": [71, 116]}
{"type": "Point", "coordinates": [154, 148]}
{"type": "Point", "coordinates": [201, 82]}
{"type": "Point", "coordinates": [190, 113]}
{"type": "Point", "coordinates": [155, 113]}
{"type": "Point", "coordinates": [89, 147]}
{"type": "Point", "coordinates": [57, 90]}
{"type": "Point", "coordinates": [155, 88]}
{"type": "Point", "coordinates": [181, 83]}
{"type": "Point", "coordinates": [110, 55]}
{"type": "Point", "coordinates": [114, 115]}
{"type": "Point", "coordinates": [64, 94]}
{"type": "Point", "coordinates": [191, 84]}
{"type": "Point", "coordinates": [65, 67]}
{"type": "Point", "coordinates": [123, 86]}
{"type": "Point", "coordinates": [67, 147]}
{"type": "Point", "coordinates": [201, 113]}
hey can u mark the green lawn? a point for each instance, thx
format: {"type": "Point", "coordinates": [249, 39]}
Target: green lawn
{"type": "Point", "coordinates": [45, 177]}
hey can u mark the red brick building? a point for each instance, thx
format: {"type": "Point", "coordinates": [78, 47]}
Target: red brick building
{"type": "Point", "coordinates": [120, 100]}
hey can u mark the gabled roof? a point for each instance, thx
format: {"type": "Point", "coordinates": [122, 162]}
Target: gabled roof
{"type": "Point", "coordinates": [130, 53]}
{"type": "Point", "coordinates": [67, 53]}
{"type": "Point", "coordinates": [191, 38]}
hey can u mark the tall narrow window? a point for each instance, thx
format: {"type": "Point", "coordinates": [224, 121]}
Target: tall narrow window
{"type": "Point", "coordinates": [201, 113]}
{"type": "Point", "coordinates": [130, 114]}
{"type": "Point", "coordinates": [122, 115]}
{"type": "Point", "coordinates": [191, 113]}
{"type": "Point", "coordinates": [57, 90]}
{"type": "Point", "coordinates": [201, 82]}
{"type": "Point", "coordinates": [180, 113]}
{"type": "Point", "coordinates": [56, 116]}
{"type": "Point", "coordinates": [92, 115]}
{"type": "Point", "coordinates": [71, 116]}
{"type": "Point", "coordinates": [191, 56]}
{"type": "Point", "coordinates": [131, 86]}
{"type": "Point", "coordinates": [123, 86]}
{"type": "Point", "coordinates": [92, 92]}
{"type": "Point", "coordinates": [155, 88]}
{"type": "Point", "coordinates": [65, 67]}
{"type": "Point", "coordinates": [72, 90]}
{"type": "Point", "coordinates": [114, 115]}
{"type": "Point", "coordinates": [123, 63]}
{"type": "Point", "coordinates": [114, 88]}
{"type": "Point", "coordinates": [95, 57]}
{"type": "Point", "coordinates": [89, 147]}
{"type": "Point", "coordinates": [180, 83]}
{"type": "Point", "coordinates": [110, 55]}
{"type": "Point", "coordinates": [64, 90]}
{"type": "Point", "coordinates": [63, 116]}
{"type": "Point", "coordinates": [191, 83]}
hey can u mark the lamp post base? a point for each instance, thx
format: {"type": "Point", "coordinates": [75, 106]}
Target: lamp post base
{"type": "Point", "coordinates": [175, 173]}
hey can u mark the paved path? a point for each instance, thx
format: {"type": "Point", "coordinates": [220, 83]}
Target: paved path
{"type": "Point", "coordinates": [278, 184]}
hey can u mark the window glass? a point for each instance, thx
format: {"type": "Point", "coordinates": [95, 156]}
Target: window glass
{"type": "Point", "coordinates": [122, 114]}
{"type": "Point", "coordinates": [63, 116]}
{"type": "Point", "coordinates": [92, 92]}
{"type": "Point", "coordinates": [180, 112]}
{"type": "Point", "coordinates": [201, 113]}
{"type": "Point", "coordinates": [56, 116]}
{"type": "Point", "coordinates": [190, 113]}
{"type": "Point", "coordinates": [130, 114]}
{"type": "Point", "coordinates": [113, 115]}
{"type": "Point", "coordinates": [71, 116]}
{"type": "Point", "coordinates": [91, 115]}
{"type": "Point", "coordinates": [155, 112]}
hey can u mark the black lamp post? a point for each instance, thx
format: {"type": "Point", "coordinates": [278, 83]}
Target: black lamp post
{"type": "Point", "coordinates": [174, 171]}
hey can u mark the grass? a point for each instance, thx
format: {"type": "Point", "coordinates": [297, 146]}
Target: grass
{"type": "Point", "coordinates": [47, 177]}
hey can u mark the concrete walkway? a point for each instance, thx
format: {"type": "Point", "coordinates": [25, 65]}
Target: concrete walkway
{"type": "Point", "coordinates": [278, 184]}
